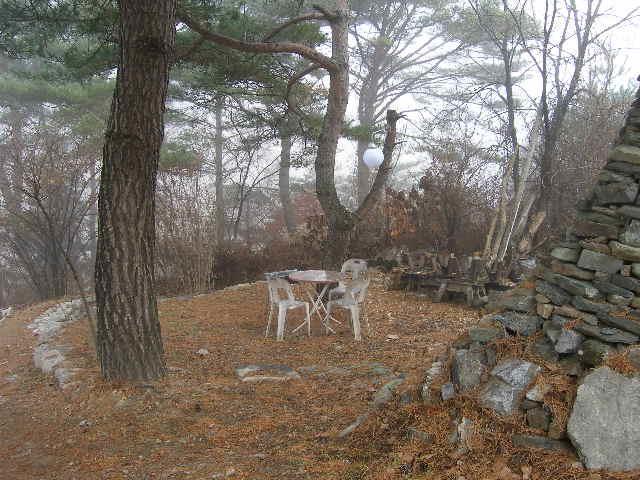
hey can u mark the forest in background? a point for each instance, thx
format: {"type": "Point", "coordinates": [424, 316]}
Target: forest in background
{"type": "Point", "coordinates": [508, 111]}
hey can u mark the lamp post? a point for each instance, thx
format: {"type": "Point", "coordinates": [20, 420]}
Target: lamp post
{"type": "Point", "coordinates": [373, 157]}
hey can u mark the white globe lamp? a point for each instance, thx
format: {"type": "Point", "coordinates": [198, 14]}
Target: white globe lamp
{"type": "Point", "coordinates": [373, 157]}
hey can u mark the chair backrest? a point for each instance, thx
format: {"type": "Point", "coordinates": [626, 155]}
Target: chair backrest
{"type": "Point", "coordinates": [356, 290]}
{"type": "Point", "coordinates": [356, 266]}
{"type": "Point", "coordinates": [278, 286]}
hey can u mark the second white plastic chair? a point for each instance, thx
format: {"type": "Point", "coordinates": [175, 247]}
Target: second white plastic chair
{"type": "Point", "coordinates": [354, 296]}
{"type": "Point", "coordinates": [284, 303]}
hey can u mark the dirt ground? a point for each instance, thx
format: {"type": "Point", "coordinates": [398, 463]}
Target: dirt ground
{"type": "Point", "coordinates": [202, 421]}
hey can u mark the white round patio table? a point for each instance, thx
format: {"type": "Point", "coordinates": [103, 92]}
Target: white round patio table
{"type": "Point", "coordinates": [315, 278]}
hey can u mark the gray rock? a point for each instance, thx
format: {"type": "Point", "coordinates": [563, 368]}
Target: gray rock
{"type": "Point", "coordinates": [545, 349]}
{"type": "Point", "coordinates": [604, 215]}
{"type": "Point", "coordinates": [631, 234]}
{"type": "Point", "coordinates": [537, 392]}
{"type": "Point", "coordinates": [447, 391]}
{"type": "Point", "coordinates": [635, 269]}
{"type": "Point", "coordinates": [625, 153]}
{"type": "Point", "coordinates": [570, 365]}
{"type": "Point", "coordinates": [623, 167]}
{"type": "Point", "coordinates": [349, 429]}
{"type": "Point", "coordinates": [552, 292]}
{"type": "Point", "coordinates": [508, 380]}
{"type": "Point", "coordinates": [434, 371]}
{"type": "Point", "coordinates": [621, 323]}
{"type": "Point", "coordinates": [615, 193]}
{"type": "Point", "coordinates": [519, 300]}
{"type": "Point", "coordinates": [607, 176]}
{"type": "Point", "coordinates": [571, 270]}
{"type": "Point", "coordinates": [419, 435]}
{"type": "Point", "coordinates": [600, 262]}
{"type": "Point", "coordinates": [593, 352]}
{"type": "Point", "coordinates": [606, 334]}
{"type": "Point", "coordinates": [520, 323]}
{"type": "Point", "coordinates": [629, 211]}
{"type": "Point", "coordinates": [517, 373]}
{"type": "Point", "coordinates": [47, 358]}
{"type": "Point", "coordinates": [539, 418]}
{"type": "Point", "coordinates": [385, 393]}
{"type": "Point", "coordinates": [593, 229]}
{"type": "Point", "coordinates": [266, 373]}
{"type": "Point", "coordinates": [544, 310]}
{"type": "Point", "coordinates": [604, 425]}
{"type": "Point", "coordinates": [572, 285]}
{"type": "Point", "coordinates": [611, 289]}
{"type": "Point", "coordinates": [565, 254]}
{"type": "Point", "coordinates": [485, 334]}
{"type": "Point", "coordinates": [551, 331]}
{"type": "Point", "coordinates": [534, 441]}
{"type": "Point", "coordinates": [628, 283]}
{"type": "Point", "coordinates": [589, 306]}
{"type": "Point", "coordinates": [625, 252]}
{"type": "Point", "coordinates": [569, 341]}
{"type": "Point", "coordinates": [468, 369]}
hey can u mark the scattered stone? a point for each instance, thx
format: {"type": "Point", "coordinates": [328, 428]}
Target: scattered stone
{"type": "Point", "coordinates": [625, 153]}
{"type": "Point", "coordinates": [518, 300]}
{"type": "Point", "coordinates": [589, 306]}
{"type": "Point", "coordinates": [508, 380]}
{"type": "Point", "coordinates": [266, 373]}
{"type": "Point", "coordinates": [596, 247]}
{"type": "Point", "coordinates": [468, 369]}
{"type": "Point", "coordinates": [47, 358]}
{"type": "Point", "coordinates": [611, 289]}
{"type": "Point", "coordinates": [534, 441]}
{"type": "Point", "coordinates": [625, 252]}
{"type": "Point", "coordinates": [606, 334]}
{"type": "Point", "coordinates": [202, 352]}
{"type": "Point", "coordinates": [544, 310]}
{"type": "Point", "coordinates": [622, 323]}
{"type": "Point", "coordinates": [434, 372]}
{"type": "Point", "coordinates": [629, 211]}
{"type": "Point", "coordinates": [572, 285]}
{"type": "Point", "coordinates": [631, 234]}
{"type": "Point", "coordinates": [570, 270]}
{"type": "Point", "coordinates": [354, 425]}
{"type": "Point", "coordinates": [570, 365]}
{"type": "Point", "coordinates": [599, 261]}
{"type": "Point", "coordinates": [628, 283]}
{"type": "Point", "coordinates": [447, 391]}
{"type": "Point", "coordinates": [419, 435]}
{"type": "Point", "coordinates": [542, 299]}
{"type": "Point", "coordinates": [605, 420]}
{"type": "Point", "coordinates": [553, 293]}
{"type": "Point", "coordinates": [537, 393]}
{"type": "Point", "coordinates": [565, 254]}
{"type": "Point", "coordinates": [385, 393]}
{"type": "Point", "coordinates": [623, 167]}
{"type": "Point", "coordinates": [485, 334]}
{"type": "Point", "coordinates": [545, 349]}
{"type": "Point", "coordinates": [593, 352]}
{"type": "Point", "coordinates": [592, 229]}
{"type": "Point", "coordinates": [539, 418]}
{"type": "Point", "coordinates": [84, 424]}
{"type": "Point", "coordinates": [520, 323]}
{"type": "Point", "coordinates": [569, 341]}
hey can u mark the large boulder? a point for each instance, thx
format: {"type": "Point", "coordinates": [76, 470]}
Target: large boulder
{"type": "Point", "coordinates": [604, 425]}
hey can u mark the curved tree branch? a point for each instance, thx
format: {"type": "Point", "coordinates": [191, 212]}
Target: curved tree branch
{"type": "Point", "coordinates": [258, 47]}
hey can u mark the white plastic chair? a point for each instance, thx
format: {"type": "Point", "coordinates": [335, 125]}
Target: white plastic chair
{"type": "Point", "coordinates": [354, 296]}
{"type": "Point", "coordinates": [358, 270]}
{"type": "Point", "coordinates": [284, 304]}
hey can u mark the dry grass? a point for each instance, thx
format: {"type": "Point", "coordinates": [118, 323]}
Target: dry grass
{"type": "Point", "coordinates": [201, 420]}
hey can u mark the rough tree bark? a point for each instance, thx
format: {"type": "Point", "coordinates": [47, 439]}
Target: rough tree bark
{"type": "Point", "coordinates": [284, 184]}
{"type": "Point", "coordinates": [220, 204]}
{"type": "Point", "coordinates": [129, 343]}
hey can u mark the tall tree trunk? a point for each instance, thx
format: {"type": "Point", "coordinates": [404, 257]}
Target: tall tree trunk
{"type": "Point", "coordinates": [284, 184]}
{"type": "Point", "coordinates": [129, 343]}
{"type": "Point", "coordinates": [219, 143]}
{"type": "Point", "coordinates": [339, 219]}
